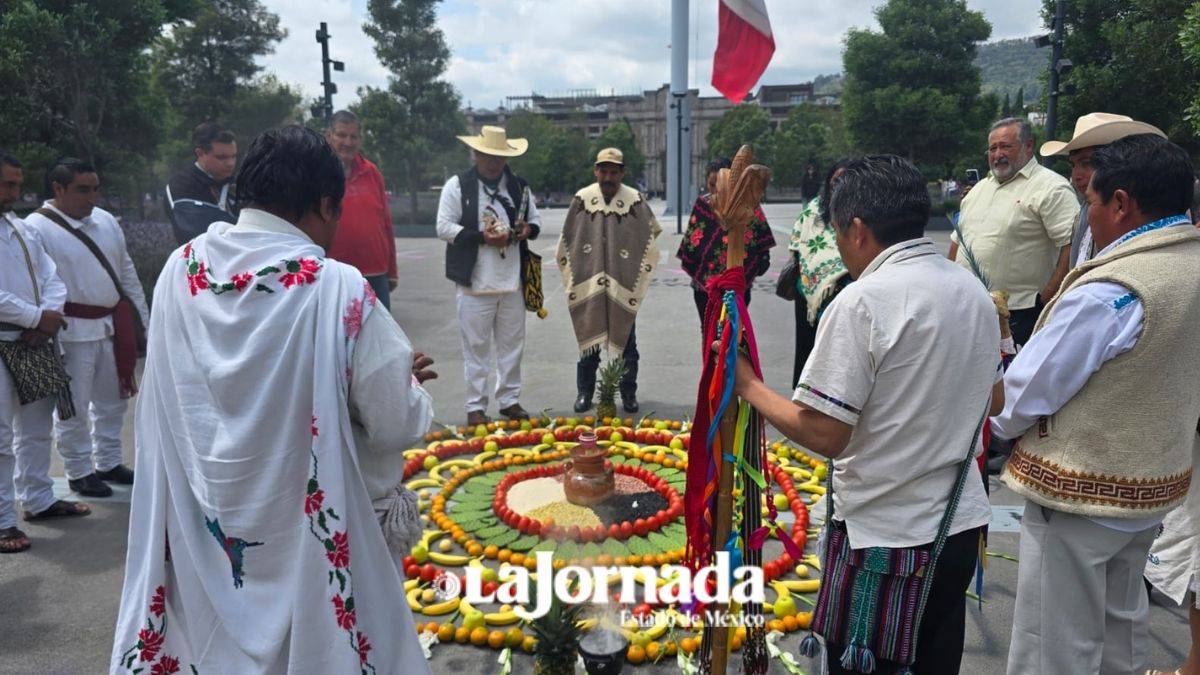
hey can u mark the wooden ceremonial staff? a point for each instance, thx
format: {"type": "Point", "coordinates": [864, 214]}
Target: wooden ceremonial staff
{"type": "Point", "coordinates": [740, 189]}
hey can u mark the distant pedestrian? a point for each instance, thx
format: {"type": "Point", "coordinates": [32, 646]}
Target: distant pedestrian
{"type": "Point", "coordinates": [702, 250]}
{"type": "Point", "coordinates": [486, 215]}
{"type": "Point", "coordinates": [31, 304]}
{"type": "Point", "coordinates": [1092, 132]}
{"type": "Point", "coordinates": [365, 237]}
{"type": "Point", "coordinates": [607, 255]}
{"type": "Point", "coordinates": [1103, 403]}
{"type": "Point", "coordinates": [105, 304]}
{"type": "Point", "coordinates": [810, 185]}
{"type": "Point", "coordinates": [1017, 225]}
{"type": "Point", "coordinates": [201, 193]}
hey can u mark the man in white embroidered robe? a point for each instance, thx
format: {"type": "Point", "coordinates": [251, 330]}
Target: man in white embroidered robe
{"type": "Point", "coordinates": [275, 405]}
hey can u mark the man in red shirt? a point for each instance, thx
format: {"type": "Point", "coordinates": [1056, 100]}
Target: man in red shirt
{"type": "Point", "coordinates": [364, 238]}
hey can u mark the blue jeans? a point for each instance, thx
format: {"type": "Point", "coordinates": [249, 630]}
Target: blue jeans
{"type": "Point", "coordinates": [379, 284]}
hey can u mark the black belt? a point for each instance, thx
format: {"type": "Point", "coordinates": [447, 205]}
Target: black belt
{"type": "Point", "coordinates": [11, 327]}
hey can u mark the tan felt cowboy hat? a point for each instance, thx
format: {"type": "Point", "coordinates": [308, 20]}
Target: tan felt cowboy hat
{"type": "Point", "coordinates": [1096, 129]}
{"type": "Point", "coordinates": [494, 141]}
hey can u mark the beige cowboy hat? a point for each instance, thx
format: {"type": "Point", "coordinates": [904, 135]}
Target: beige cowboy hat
{"type": "Point", "coordinates": [495, 141]}
{"type": "Point", "coordinates": [1099, 129]}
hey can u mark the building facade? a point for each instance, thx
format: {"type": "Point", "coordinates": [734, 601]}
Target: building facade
{"type": "Point", "coordinates": [591, 113]}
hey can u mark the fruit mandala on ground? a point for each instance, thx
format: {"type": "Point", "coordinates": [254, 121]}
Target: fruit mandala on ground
{"type": "Point", "coordinates": [492, 497]}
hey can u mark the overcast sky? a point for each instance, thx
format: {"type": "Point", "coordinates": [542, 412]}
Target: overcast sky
{"type": "Point", "coordinates": [512, 47]}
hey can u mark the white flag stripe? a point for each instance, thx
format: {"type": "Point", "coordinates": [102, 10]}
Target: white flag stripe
{"type": "Point", "coordinates": [753, 12]}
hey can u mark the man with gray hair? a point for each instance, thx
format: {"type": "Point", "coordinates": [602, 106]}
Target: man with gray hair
{"type": "Point", "coordinates": [1016, 225]}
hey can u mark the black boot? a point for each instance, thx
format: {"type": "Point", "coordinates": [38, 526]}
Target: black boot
{"type": "Point", "coordinates": [90, 486]}
{"type": "Point", "coordinates": [629, 402]}
{"type": "Point", "coordinates": [120, 474]}
{"type": "Point", "coordinates": [583, 403]}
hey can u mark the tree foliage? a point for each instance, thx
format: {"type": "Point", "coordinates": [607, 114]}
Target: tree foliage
{"type": "Point", "coordinates": [206, 59]}
{"type": "Point", "coordinates": [76, 79]}
{"type": "Point", "coordinates": [558, 158]}
{"type": "Point", "coordinates": [804, 138]}
{"type": "Point", "coordinates": [1189, 42]}
{"type": "Point", "coordinates": [745, 124]}
{"type": "Point", "coordinates": [913, 88]}
{"type": "Point", "coordinates": [1130, 58]}
{"type": "Point", "coordinates": [423, 114]}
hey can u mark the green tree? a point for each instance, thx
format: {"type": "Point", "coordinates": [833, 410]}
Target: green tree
{"type": "Point", "coordinates": [803, 138]}
{"type": "Point", "coordinates": [745, 124]}
{"type": "Point", "coordinates": [620, 136]}
{"type": "Point", "coordinates": [534, 165]}
{"type": "Point", "coordinates": [1189, 42]}
{"type": "Point", "coordinates": [1006, 110]}
{"type": "Point", "coordinates": [913, 88]}
{"type": "Point", "coordinates": [1130, 57]}
{"type": "Point", "coordinates": [76, 77]}
{"type": "Point", "coordinates": [425, 115]}
{"type": "Point", "coordinates": [205, 60]}
{"type": "Point", "coordinates": [1018, 107]}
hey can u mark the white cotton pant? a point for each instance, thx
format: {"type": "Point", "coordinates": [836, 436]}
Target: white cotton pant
{"type": "Point", "coordinates": [492, 324]}
{"type": "Point", "coordinates": [1081, 606]}
{"type": "Point", "coordinates": [24, 453]}
{"type": "Point", "coordinates": [91, 440]}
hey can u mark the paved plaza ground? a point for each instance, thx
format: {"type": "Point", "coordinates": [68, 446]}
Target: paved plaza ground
{"type": "Point", "coordinates": [58, 601]}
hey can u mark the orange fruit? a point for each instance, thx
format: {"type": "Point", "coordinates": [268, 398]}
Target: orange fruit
{"type": "Point", "coordinates": [530, 563]}
{"type": "Point", "coordinates": [634, 560]}
{"type": "Point", "coordinates": [528, 644]}
{"type": "Point", "coordinates": [791, 623]}
{"type": "Point", "coordinates": [804, 620]}
{"type": "Point", "coordinates": [775, 625]}
{"type": "Point", "coordinates": [495, 639]}
{"type": "Point", "coordinates": [517, 559]}
{"type": "Point", "coordinates": [514, 637]}
{"type": "Point", "coordinates": [604, 560]}
{"type": "Point", "coordinates": [653, 650]}
{"type": "Point", "coordinates": [462, 635]}
{"type": "Point", "coordinates": [559, 563]}
{"type": "Point", "coordinates": [431, 627]}
{"type": "Point", "coordinates": [619, 561]}
{"type": "Point", "coordinates": [661, 559]}
{"type": "Point", "coordinates": [479, 637]}
{"type": "Point", "coordinates": [445, 632]}
{"type": "Point", "coordinates": [735, 643]}
{"type": "Point", "coordinates": [491, 551]}
{"type": "Point", "coordinates": [504, 555]}
{"type": "Point", "coordinates": [671, 649]}
{"type": "Point", "coordinates": [689, 645]}
{"type": "Point", "coordinates": [474, 549]}
{"type": "Point", "coordinates": [669, 462]}
{"type": "Point", "coordinates": [659, 457]}
{"type": "Point", "coordinates": [676, 425]}
{"type": "Point", "coordinates": [635, 655]}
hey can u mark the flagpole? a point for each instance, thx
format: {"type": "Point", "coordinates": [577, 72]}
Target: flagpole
{"type": "Point", "coordinates": [678, 155]}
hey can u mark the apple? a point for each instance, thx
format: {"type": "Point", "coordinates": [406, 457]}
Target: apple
{"type": "Point", "coordinates": [785, 606]}
{"type": "Point", "coordinates": [472, 619]}
{"type": "Point", "coordinates": [420, 554]}
{"type": "Point", "coordinates": [781, 502]}
{"type": "Point", "coordinates": [676, 444]}
{"type": "Point", "coordinates": [480, 431]}
{"type": "Point", "coordinates": [548, 438]}
{"type": "Point", "coordinates": [430, 462]}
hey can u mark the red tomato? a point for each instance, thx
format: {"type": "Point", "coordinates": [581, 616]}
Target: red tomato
{"type": "Point", "coordinates": [614, 531]}
{"type": "Point", "coordinates": [641, 527]}
{"type": "Point", "coordinates": [408, 560]}
{"type": "Point", "coordinates": [412, 572]}
{"type": "Point", "coordinates": [524, 523]}
{"type": "Point", "coordinates": [626, 530]}
{"type": "Point", "coordinates": [643, 610]}
{"type": "Point", "coordinates": [428, 572]}
{"type": "Point", "coordinates": [573, 533]}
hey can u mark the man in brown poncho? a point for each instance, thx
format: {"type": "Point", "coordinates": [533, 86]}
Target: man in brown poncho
{"type": "Point", "coordinates": [607, 256]}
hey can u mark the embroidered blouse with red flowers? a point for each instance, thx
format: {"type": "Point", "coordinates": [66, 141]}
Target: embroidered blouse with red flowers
{"type": "Point", "coordinates": [702, 251]}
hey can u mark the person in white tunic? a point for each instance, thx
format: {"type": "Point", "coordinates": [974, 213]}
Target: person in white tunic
{"type": "Point", "coordinates": [276, 399]}
{"type": "Point", "coordinates": [99, 387]}
{"type": "Point", "coordinates": [486, 216]}
{"type": "Point", "coordinates": [31, 303]}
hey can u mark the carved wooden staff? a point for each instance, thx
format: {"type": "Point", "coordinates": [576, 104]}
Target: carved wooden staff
{"type": "Point", "coordinates": [740, 189]}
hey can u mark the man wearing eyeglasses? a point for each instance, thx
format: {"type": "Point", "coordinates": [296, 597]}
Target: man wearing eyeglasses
{"type": "Point", "coordinates": [1016, 224]}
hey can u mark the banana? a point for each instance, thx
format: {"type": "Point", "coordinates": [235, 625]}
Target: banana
{"type": "Point", "coordinates": [423, 483]}
{"type": "Point", "coordinates": [411, 584]}
{"type": "Point", "coordinates": [501, 618]}
{"type": "Point", "coordinates": [811, 487]}
{"type": "Point", "coordinates": [411, 596]}
{"type": "Point", "coordinates": [449, 559]}
{"type": "Point", "coordinates": [413, 452]}
{"type": "Point", "coordinates": [436, 472]}
{"type": "Point", "coordinates": [586, 624]}
{"type": "Point", "coordinates": [655, 449]}
{"type": "Point", "coordinates": [522, 452]}
{"type": "Point", "coordinates": [483, 456]}
{"type": "Point", "coordinates": [441, 607]}
{"type": "Point", "coordinates": [801, 585]}
{"type": "Point", "coordinates": [813, 561]}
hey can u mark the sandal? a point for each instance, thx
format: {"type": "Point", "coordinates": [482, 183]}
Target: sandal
{"type": "Point", "coordinates": [13, 540]}
{"type": "Point", "coordinates": [1177, 671]}
{"type": "Point", "coordinates": [60, 509]}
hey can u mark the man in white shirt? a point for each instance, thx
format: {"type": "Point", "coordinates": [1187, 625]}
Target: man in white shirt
{"type": "Point", "coordinates": [904, 368]}
{"type": "Point", "coordinates": [31, 303]}
{"type": "Point", "coordinates": [100, 381]}
{"type": "Point", "coordinates": [485, 216]}
{"type": "Point", "coordinates": [1098, 476]}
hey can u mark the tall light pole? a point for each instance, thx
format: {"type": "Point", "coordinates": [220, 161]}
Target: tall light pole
{"type": "Point", "coordinates": [1058, 67]}
{"type": "Point", "coordinates": [325, 109]}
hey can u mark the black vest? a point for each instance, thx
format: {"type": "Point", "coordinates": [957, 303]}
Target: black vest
{"type": "Point", "coordinates": [462, 253]}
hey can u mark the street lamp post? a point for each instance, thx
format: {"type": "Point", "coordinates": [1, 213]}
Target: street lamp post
{"type": "Point", "coordinates": [679, 129]}
{"type": "Point", "coordinates": [325, 109]}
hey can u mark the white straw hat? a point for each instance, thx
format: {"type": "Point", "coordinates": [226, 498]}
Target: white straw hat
{"type": "Point", "coordinates": [495, 141]}
{"type": "Point", "coordinates": [1096, 129]}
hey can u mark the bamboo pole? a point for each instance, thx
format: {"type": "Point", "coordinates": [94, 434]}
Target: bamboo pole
{"type": "Point", "coordinates": [723, 525]}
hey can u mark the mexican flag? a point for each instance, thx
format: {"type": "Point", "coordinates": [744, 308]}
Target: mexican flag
{"type": "Point", "coordinates": [744, 47]}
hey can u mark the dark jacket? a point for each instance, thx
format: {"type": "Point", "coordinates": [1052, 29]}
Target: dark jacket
{"type": "Point", "coordinates": [462, 253]}
{"type": "Point", "coordinates": [192, 201]}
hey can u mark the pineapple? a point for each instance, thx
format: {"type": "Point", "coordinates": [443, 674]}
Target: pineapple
{"type": "Point", "coordinates": [557, 634]}
{"type": "Point", "coordinates": [610, 378]}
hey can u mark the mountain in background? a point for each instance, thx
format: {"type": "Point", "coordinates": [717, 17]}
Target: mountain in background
{"type": "Point", "coordinates": [1005, 67]}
